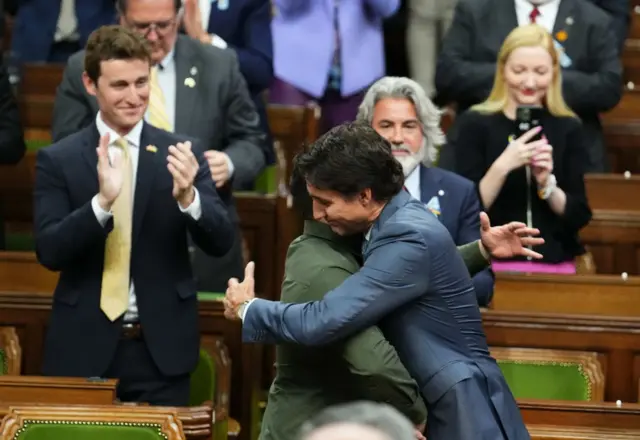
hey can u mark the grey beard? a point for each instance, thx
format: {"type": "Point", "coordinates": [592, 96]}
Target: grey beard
{"type": "Point", "coordinates": [411, 162]}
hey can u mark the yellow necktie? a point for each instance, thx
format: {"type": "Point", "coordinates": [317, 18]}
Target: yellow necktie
{"type": "Point", "coordinates": [114, 299]}
{"type": "Point", "coordinates": [157, 106]}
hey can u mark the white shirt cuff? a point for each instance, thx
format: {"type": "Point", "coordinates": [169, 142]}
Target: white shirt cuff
{"type": "Point", "coordinates": [230, 165]}
{"type": "Point", "coordinates": [218, 42]}
{"type": "Point", "coordinates": [101, 215]}
{"type": "Point", "coordinates": [195, 208]}
{"type": "Point", "coordinates": [245, 308]}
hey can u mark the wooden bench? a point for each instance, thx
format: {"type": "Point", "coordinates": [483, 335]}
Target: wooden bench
{"type": "Point", "coordinates": [58, 390]}
{"type": "Point", "coordinates": [616, 341]}
{"type": "Point", "coordinates": [604, 295]}
{"type": "Point", "coordinates": [581, 414]}
{"type": "Point", "coordinates": [613, 191]}
{"type": "Point", "coordinates": [10, 351]}
{"type": "Point", "coordinates": [554, 432]}
{"type": "Point", "coordinates": [21, 272]}
{"type": "Point", "coordinates": [196, 420]}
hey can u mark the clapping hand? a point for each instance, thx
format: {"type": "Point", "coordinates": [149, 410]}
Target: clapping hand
{"type": "Point", "coordinates": [219, 167]}
{"type": "Point", "coordinates": [110, 174]}
{"type": "Point", "coordinates": [183, 166]}
{"type": "Point", "coordinates": [239, 292]}
{"type": "Point", "coordinates": [510, 240]}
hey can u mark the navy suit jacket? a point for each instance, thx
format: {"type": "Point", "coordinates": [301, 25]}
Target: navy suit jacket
{"type": "Point", "coordinates": [246, 27]}
{"type": "Point", "coordinates": [36, 21]}
{"type": "Point", "coordinates": [80, 340]}
{"type": "Point", "coordinates": [415, 286]}
{"type": "Point", "coordinates": [620, 17]}
{"type": "Point", "coordinates": [460, 214]}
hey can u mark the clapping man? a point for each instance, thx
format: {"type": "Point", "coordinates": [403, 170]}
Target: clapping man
{"type": "Point", "coordinates": [113, 220]}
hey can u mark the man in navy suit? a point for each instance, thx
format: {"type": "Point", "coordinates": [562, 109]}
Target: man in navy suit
{"type": "Point", "coordinates": [400, 111]}
{"type": "Point", "coordinates": [52, 30]}
{"type": "Point", "coordinates": [414, 285]}
{"type": "Point", "coordinates": [113, 220]}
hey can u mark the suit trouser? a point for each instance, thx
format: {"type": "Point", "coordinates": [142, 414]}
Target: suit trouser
{"type": "Point", "coordinates": [424, 36]}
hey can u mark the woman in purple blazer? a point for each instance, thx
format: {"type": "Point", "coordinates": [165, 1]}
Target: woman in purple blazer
{"type": "Point", "coordinates": [328, 51]}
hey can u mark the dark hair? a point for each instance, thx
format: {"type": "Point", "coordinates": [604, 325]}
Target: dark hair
{"type": "Point", "coordinates": [121, 6]}
{"type": "Point", "coordinates": [113, 43]}
{"type": "Point", "coordinates": [301, 199]}
{"type": "Point", "coordinates": [349, 159]}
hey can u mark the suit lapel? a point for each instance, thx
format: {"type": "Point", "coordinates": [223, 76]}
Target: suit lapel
{"type": "Point", "coordinates": [506, 21]}
{"type": "Point", "coordinates": [89, 153]}
{"type": "Point", "coordinates": [430, 191]}
{"type": "Point", "coordinates": [187, 84]}
{"type": "Point", "coordinates": [563, 24]}
{"type": "Point", "coordinates": [148, 164]}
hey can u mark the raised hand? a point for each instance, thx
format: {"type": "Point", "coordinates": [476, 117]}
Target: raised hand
{"type": "Point", "coordinates": [183, 166]}
{"type": "Point", "coordinates": [510, 240]}
{"type": "Point", "coordinates": [110, 174]}
{"type": "Point", "coordinates": [238, 293]}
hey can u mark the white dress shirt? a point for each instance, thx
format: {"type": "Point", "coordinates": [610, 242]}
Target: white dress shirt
{"type": "Point", "coordinates": [412, 183]}
{"type": "Point", "coordinates": [133, 139]}
{"type": "Point", "coordinates": [547, 17]}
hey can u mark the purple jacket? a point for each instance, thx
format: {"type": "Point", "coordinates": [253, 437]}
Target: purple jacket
{"type": "Point", "coordinates": [303, 42]}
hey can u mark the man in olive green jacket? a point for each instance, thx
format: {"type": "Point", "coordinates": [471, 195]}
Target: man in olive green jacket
{"type": "Point", "coordinates": [363, 367]}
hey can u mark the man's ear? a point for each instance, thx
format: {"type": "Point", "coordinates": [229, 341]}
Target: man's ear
{"type": "Point", "coordinates": [365, 197]}
{"type": "Point", "coordinates": [89, 85]}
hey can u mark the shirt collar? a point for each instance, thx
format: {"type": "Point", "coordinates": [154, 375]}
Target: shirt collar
{"type": "Point", "coordinates": [133, 137]}
{"type": "Point", "coordinates": [168, 59]}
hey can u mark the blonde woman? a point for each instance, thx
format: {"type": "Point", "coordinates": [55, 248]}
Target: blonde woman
{"type": "Point", "coordinates": [540, 182]}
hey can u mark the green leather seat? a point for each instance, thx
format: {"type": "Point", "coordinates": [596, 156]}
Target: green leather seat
{"type": "Point", "coordinates": [71, 430]}
{"type": "Point", "coordinates": [203, 380]}
{"type": "Point", "coordinates": [4, 368]}
{"type": "Point", "coordinates": [546, 380]}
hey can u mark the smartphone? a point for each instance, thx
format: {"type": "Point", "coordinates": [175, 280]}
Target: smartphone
{"type": "Point", "coordinates": [528, 117]}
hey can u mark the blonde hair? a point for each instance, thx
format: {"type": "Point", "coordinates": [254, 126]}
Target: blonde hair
{"type": "Point", "coordinates": [531, 35]}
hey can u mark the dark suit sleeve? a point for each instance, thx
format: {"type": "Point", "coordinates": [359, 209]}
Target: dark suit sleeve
{"type": "Point", "coordinates": [71, 110]}
{"type": "Point", "coordinates": [378, 373]}
{"type": "Point", "coordinates": [12, 146]}
{"type": "Point", "coordinates": [212, 232]}
{"type": "Point", "coordinates": [256, 54]}
{"type": "Point", "coordinates": [393, 275]}
{"type": "Point", "coordinates": [601, 89]}
{"type": "Point", "coordinates": [620, 18]}
{"type": "Point", "coordinates": [243, 134]}
{"type": "Point", "coordinates": [571, 180]}
{"type": "Point", "coordinates": [62, 234]}
{"type": "Point", "coordinates": [458, 78]}
{"type": "Point", "coordinates": [469, 231]}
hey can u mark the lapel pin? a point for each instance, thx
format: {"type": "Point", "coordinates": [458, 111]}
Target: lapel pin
{"type": "Point", "coordinates": [190, 82]}
{"type": "Point", "coordinates": [441, 193]}
{"type": "Point", "coordinates": [223, 5]}
{"type": "Point", "coordinates": [152, 148]}
{"type": "Point", "coordinates": [194, 71]}
{"type": "Point", "coordinates": [569, 21]}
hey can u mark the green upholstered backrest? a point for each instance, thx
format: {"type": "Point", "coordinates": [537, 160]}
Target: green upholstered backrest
{"type": "Point", "coordinates": [210, 296]}
{"type": "Point", "coordinates": [546, 380]}
{"type": "Point", "coordinates": [72, 430]}
{"type": "Point", "coordinates": [266, 181]}
{"type": "Point", "coordinates": [36, 144]}
{"type": "Point", "coordinates": [203, 380]}
{"type": "Point", "coordinates": [3, 362]}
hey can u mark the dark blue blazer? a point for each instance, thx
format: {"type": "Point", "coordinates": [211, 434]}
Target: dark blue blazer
{"type": "Point", "coordinates": [460, 213]}
{"type": "Point", "coordinates": [246, 27]}
{"type": "Point", "coordinates": [80, 340]}
{"type": "Point", "coordinates": [620, 17]}
{"type": "Point", "coordinates": [36, 20]}
{"type": "Point", "coordinates": [416, 287]}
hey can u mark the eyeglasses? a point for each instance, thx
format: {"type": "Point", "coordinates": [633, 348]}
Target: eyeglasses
{"type": "Point", "coordinates": [160, 27]}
